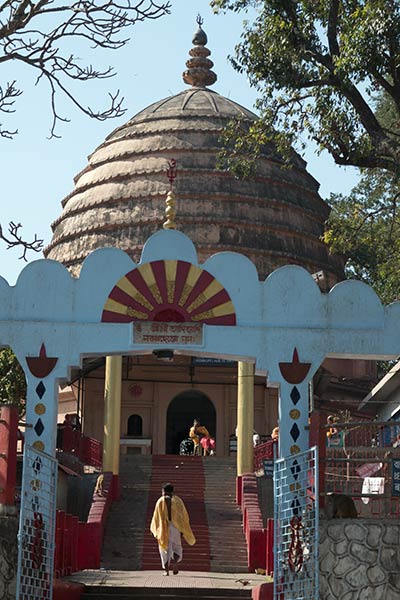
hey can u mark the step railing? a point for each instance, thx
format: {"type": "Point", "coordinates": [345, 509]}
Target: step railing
{"type": "Point", "coordinates": [256, 535]}
{"type": "Point", "coordinates": [87, 449]}
{"type": "Point", "coordinates": [266, 451]}
{"type": "Point", "coordinates": [78, 544]}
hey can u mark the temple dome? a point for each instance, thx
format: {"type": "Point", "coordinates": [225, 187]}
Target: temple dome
{"type": "Point", "coordinates": [275, 217]}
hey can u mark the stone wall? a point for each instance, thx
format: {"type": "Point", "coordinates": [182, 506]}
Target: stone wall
{"type": "Point", "coordinates": [359, 559]}
{"type": "Point", "coordinates": [8, 557]}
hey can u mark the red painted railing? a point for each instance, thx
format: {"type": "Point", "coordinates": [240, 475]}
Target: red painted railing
{"type": "Point", "coordinates": [252, 523]}
{"type": "Point", "coordinates": [265, 451]}
{"type": "Point", "coordinates": [87, 449]}
{"type": "Point", "coordinates": [78, 545]}
{"type": "Point", "coordinates": [66, 554]}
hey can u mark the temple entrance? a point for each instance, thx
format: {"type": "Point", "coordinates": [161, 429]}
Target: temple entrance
{"type": "Point", "coordinates": [181, 412]}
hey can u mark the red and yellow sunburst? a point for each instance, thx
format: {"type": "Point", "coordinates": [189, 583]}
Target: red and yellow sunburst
{"type": "Point", "coordinates": [169, 291]}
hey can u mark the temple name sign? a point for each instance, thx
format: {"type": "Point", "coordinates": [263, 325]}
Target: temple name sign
{"type": "Point", "coordinates": [168, 333]}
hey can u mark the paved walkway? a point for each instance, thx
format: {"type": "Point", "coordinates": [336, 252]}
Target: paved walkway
{"type": "Point", "coordinates": [152, 579]}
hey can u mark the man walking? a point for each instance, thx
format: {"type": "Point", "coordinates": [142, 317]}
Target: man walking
{"type": "Point", "coordinates": [170, 520]}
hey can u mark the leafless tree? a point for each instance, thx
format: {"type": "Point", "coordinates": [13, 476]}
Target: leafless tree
{"type": "Point", "coordinates": [13, 239]}
{"type": "Point", "coordinates": [45, 35]}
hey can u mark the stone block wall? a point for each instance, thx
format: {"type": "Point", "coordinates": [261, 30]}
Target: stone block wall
{"type": "Point", "coordinates": [359, 560]}
{"type": "Point", "coordinates": [8, 557]}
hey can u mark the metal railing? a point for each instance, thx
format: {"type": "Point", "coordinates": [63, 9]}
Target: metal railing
{"type": "Point", "coordinates": [296, 519]}
{"type": "Point", "coordinates": [361, 459]}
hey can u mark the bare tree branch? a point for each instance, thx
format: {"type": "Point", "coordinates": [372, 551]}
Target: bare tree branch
{"type": "Point", "coordinates": [101, 24]}
{"type": "Point", "coordinates": [15, 239]}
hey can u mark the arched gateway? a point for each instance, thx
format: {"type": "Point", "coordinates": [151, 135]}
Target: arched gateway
{"type": "Point", "coordinates": [283, 326]}
{"type": "Point", "coordinates": [185, 407]}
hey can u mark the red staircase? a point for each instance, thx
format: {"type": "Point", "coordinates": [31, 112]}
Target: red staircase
{"type": "Point", "coordinates": [187, 476]}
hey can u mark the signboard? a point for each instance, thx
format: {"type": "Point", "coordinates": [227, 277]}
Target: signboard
{"type": "Point", "coordinates": [395, 477]}
{"type": "Point", "coordinates": [214, 362]}
{"type": "Point", "coordinates": [154, 333]}
{"type": "Point", "coordinates": [268, 466]}
{"type": "Point", "coordinates": [335, 440]}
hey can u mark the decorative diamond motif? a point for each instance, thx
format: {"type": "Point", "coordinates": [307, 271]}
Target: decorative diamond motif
{"type": "Point", "coordinates": [40, 389]}
{"type": "Point", "coordinates": [295, 506]}
{"type": "Point", "coordinates": [37, 465]}
{"type": "Point", "coordinates": [295, 432]}
{"type": "Point", "coordinates": [39, 427]}
{"type": "Point", "coordinates": [295, 395]}
{"type": "Point", "coordinates": [35, 504]}
{"type": "Point", "coordinates": [296, 469]}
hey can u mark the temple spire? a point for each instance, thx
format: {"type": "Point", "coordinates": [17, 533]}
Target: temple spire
{"type": "Point", "coordinates": [199, 73]}
{"type": "Point", "coordinates": [170, 210]}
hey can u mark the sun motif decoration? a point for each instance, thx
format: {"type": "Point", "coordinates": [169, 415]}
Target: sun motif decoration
{"type": "Point", "coordinates": [169, 291]}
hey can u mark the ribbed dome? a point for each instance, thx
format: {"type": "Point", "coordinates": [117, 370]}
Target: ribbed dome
{"type": "Point", "coordinates": [274, 218]}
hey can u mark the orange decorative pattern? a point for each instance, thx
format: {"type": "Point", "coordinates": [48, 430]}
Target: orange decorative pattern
{"type": "Point", "coordinates": [169, 291]}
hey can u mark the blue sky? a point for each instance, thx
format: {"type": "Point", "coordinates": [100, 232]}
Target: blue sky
{"type": "Point", "coordinates": [37, 173]}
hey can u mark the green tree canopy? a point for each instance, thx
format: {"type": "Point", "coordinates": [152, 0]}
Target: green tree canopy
{"type": "Point", "coordinates": [317, 65]}
{"type": "Point", "coordinates": [365, 226]}
{"type": "Point", "coordinates": [12, 381]}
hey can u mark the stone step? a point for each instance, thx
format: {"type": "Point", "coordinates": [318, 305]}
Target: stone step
{"type": "Point", "coordinates": [215, 517]}
{"type": "Point", "coordinates": [147, 593]}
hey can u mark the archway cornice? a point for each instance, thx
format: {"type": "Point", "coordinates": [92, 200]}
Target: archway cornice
{"type": "Point", "coordinates": [286, 310]}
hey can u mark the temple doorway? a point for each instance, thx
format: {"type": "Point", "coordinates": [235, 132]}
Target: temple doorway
{"type": "Point", "coordinates": [181, 412]}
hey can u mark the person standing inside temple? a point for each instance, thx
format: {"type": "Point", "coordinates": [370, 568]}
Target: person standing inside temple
{"type": "Point", "coordinates": [200, 436]}
{"type": "Point", "coordinates": [170, 521]}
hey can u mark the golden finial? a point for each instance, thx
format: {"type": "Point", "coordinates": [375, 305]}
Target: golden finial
{"type": "Point", "coordinates": [170, 210]}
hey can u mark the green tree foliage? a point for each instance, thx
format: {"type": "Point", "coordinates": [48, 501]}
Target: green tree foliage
{"type": "Point", "coordinates": [12, 381]}
{"type": "Point", "coordinates": [317, 65]}
{"type": "Point", "coordinates": [365, 226]}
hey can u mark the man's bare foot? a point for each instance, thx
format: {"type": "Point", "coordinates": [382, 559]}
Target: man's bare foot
{"type": "Point", "coordinates": [166, 572]}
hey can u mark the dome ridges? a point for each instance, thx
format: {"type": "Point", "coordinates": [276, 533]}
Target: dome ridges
{"type": "Point", "coordinates": [237, 197]}
{"type": "Point", "coordinates": [202, 127]}
{"type": "Point", "coordinates": [302, 183]}
{"type": "Point", "coordinates": [179, 105]}
{"type": "Point", "coordinates": [184, 198]}
{"type": "Point", "coordinates": [267, 229]}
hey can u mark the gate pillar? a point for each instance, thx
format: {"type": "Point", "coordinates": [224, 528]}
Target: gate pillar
{"type": "Point", "coordinates": [294, 406]}
{"type": "Point", "coordinates": [39, 480]}
{"type": "Point", "coordinates": [112, 419]}
{"type": "Point", "coordinates": [245, 418]}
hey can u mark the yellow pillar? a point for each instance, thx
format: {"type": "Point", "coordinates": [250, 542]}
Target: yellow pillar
{"type": "Point", "coordinates": [245, 418]}
{"type": "Point", "coordinates": [112, 414]}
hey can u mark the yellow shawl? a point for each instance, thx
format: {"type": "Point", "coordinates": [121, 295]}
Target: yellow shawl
{"type": "Point", "coordinates": [180, 519]}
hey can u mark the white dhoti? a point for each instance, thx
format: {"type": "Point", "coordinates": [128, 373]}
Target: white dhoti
{"type": "Point", "coordinates": [174, 547]}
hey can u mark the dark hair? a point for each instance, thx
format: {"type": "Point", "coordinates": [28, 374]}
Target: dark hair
{"type": "Point", "coordinates": [168, 487]}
